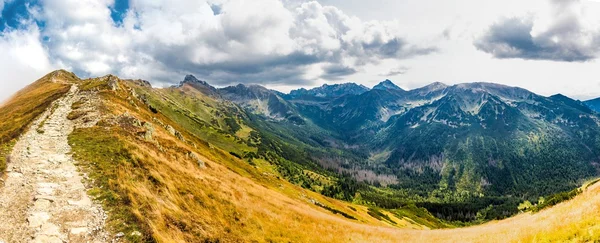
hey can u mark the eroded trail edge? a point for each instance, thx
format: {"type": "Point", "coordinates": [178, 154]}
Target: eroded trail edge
{"type": "Point", "coordinates": [44, 198]}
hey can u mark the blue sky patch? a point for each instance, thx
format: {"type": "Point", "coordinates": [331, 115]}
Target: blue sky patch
{"type": "Point", "coordinates": [119, 11]}
{"type": "Point", "coordinates": [15, 12]}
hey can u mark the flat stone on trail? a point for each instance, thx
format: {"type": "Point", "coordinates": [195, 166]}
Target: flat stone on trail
{"type": "Point", "coordinates": [84, 202]}
{"type": "Point", "coordinates": [78, 231]}
{"type": "Point", "coordinates": [45, 188]}
{"type": "Point", "coordinates": [50, 229]}
{"type": "Point", "coordinates": [15, 174]}
{"type": "Point", "coordinates": [37, 219]}
{"type": "Point", "coordinates": [44, 197]}
{"type": "Point", "coordinates": [41, 205]}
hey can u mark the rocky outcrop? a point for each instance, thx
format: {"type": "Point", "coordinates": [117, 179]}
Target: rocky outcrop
{"type": "Point", "coordinates": [149, 129]}
{"type": "Point", "coordinates": [194, 157]}
{"type": "Point", "coordinates": [175, 133]}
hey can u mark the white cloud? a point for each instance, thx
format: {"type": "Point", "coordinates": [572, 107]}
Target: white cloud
{"type": "Point", "coordinates": [291, 43]}
{"type": "Point", "coordinates": [23, 59]}
{"type": "Point", "coordinates": [262, 41]}
{"type": "Point", "coordinates": [566, 33]}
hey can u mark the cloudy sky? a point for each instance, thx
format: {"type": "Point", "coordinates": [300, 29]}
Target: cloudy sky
{"type": "Point", "coordinates": [546, 46]}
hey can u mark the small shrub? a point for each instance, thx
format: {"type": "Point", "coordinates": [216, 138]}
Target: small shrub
{"type": "Point", "coordinates": [235, 155]}
{"type": "Point", "coordinates": [380, 216]}
{"type": "Point", "coordinates": [75, 115]}
{"type": "Point", "coordinates": [77, 105]}
{"type": "Point", "coordinates": [335, 211]}
{"type": "Point", "coordinates": [555, 199]}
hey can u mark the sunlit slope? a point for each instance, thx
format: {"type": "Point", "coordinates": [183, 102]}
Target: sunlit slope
{"type": "Point", "coordinates": [22, 108]}
{"type": "Point", "coordinates": [160, 179]}
{"type": "Point", "coordinates": [577, 220]}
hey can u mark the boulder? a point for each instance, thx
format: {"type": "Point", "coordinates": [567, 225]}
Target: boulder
{"type": "Point", "coordinates": [149, 131]}
{"type": "Point", "coordinates": [195, 157]}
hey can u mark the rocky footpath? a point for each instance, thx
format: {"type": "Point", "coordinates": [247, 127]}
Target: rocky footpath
{"type": "Point", "coordinates": [43, 198]}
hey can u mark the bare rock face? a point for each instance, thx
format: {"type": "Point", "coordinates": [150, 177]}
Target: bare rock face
{"type": "Point", "coordinates": [113, 82]}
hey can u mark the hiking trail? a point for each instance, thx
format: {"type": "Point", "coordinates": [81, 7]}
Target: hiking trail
{"type": "Point", "coordinates": [43, 198]}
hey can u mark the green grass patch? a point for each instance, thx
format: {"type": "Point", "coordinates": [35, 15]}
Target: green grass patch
{"type": "Point", "coordinates": [375, 213]}
{"type": "Point", "coordinates": [195, 114]}
{"type": "Point", "coordinates": [77, 104]}
{"type": "Point", "coordinates": [93, 84]}
{"type": "Point", "coordinates": [556, 199]}
{"type": "Point", "coordinates": [335, 211]}
{"type": "Point", "coordinates": [420, 216]}
{"type": "Point", "coordinates": [102, 155]}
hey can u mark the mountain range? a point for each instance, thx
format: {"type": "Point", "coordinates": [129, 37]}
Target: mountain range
{"type": "Point", "coordinates": [464, 139]}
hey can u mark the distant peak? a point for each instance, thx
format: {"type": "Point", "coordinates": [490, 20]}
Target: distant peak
{"type": "Point", "coordinates": [387, 85]}
{"type": "Point", "coordinates": [436, 85]}
{"type": "Point", "coordinates": [62, 76]}
{"type": "Point", "coordinates": [60, 72]}
{"type": "Point", "coordinates": [191, 79]}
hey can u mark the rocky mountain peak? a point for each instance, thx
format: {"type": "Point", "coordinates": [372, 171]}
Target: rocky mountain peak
{"type": "Point", "coordinates": [192, 79]}
{"type": "Point", "coordinates": [387, 85]}
{"type": "Point", "coordinates": [200, 85]}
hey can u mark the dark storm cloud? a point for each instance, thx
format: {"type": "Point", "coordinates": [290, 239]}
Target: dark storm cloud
{"type": "Point", "coordinates": [337, 72]}
{"type": "Point", "coordinates": [396, 48]}
{"type": "Point", "coordinates": [288, 69]}
{"type": "Point", "coordinates": [565, 40]}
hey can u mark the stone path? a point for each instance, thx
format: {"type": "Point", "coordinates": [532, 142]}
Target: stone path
{"type": "Point", "coordinates": [43, 198]}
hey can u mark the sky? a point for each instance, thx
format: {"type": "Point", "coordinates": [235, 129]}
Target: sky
{"type": "Point", "coordinates": [546, 46]}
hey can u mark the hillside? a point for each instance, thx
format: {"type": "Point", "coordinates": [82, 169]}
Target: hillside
{"type": "Point", "coordinates": [192, 163]}
{"type": "Point", "coordinates": [461, 147]}
{"type": "Point", "coordinates": [594, 104]}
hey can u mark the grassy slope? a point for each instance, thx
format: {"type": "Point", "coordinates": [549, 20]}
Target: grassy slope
{"type": "Point", "coordinates": [25, 106]}
{"type": "Point", "coordinates": [156, 189]}
{"type": "Point", "coordinates": [197, 114]}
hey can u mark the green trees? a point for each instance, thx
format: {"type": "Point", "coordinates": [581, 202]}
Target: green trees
{"type": "Point", "coordinates": [525, 206]}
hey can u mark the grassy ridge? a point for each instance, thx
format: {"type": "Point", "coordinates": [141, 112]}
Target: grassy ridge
{"type": "Point", "coordinates": [22, 109]}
